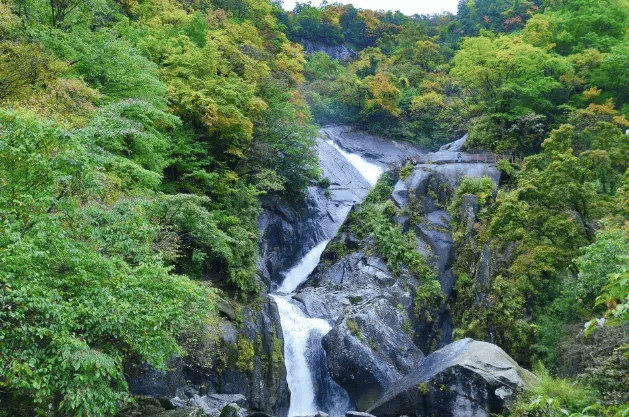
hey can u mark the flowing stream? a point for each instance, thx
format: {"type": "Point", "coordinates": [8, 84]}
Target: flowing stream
{"type": "Point", "coordinates": [312, 389]}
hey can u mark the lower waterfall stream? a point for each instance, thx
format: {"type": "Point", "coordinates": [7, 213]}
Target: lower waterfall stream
{"type": "Point", "coordinates": [312, 388]}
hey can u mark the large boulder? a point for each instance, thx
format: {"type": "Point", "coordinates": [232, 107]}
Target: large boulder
{"type": "Point", "coordinates": [465, 378]}
{"type": "Point", "coordinates": [370, 345]}
{"type": "Point", "coordinates": [368, 349]}
{"type": "Point", "coordinates": [215, 404]}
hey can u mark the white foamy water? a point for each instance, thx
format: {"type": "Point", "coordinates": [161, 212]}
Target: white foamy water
{"type": "Point", "coordinates": [370, 171]}
{"type": "Point", "coordinates": [298, 274]}
{"type": "Point", "coordinates": [297, 329]}
{"type": "Point", "coordinates": [302, 335]}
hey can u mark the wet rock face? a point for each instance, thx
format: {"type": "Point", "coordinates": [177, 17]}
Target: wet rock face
{"type": "Point", "coordinates": [368, 350]}
{"type": "Point", "coordinates": [288, 231]}
{"type": "Point", "coordinates": [373, 148]}
{"type": "Point", "coordinates": [245, 366]}
{"type": "Point", "coordinates": [466, 378]}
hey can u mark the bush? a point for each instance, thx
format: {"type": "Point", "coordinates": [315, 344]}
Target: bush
{"type": "Point", "coordinates": [553, 397]}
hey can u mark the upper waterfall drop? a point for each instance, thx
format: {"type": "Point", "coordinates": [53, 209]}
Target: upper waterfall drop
{"type": "Point", "coordinates": [371, 172]}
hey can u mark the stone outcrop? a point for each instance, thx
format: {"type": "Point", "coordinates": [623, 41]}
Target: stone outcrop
{"type": "Point", "coordinates": [375, 149]}
{"type": "Point", "coordinates": [368, 350]}
{"type": "Point", "coordinates": [340, 52]}
{"type": "Point", "coordinates": [379, 333]}
{"type": "Point", "coordinates": [244, 366]}
{"type": "Point", "coordinates": [465, 378]}
{"type": "Point", "coordinates": [370, 345]}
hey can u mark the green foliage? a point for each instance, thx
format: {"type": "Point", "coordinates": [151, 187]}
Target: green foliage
{"type": "Point", "coordinates": [609, 75]}
{"type": "Point", "coordinates": [353, 328]}
{"type": "Point", "coordinates": [130, 139]}
{"type": "Point", "coordinates": [428, 294]}
{"type": "Point", "coordinates": [579, 25]}
{"type": "Point", "coordinates": [214, 243]}
{"type": "Point", "coordinates": [554, 397]}
{"type": "Point", "coordinates": [106, 62]}
{"type": "Point", "coordinates": [423, 389]}
{"type": "Point", "coordinates": [513, 83]}
{"type": "Point", "coordinates": [498, 317]}
{"type": "Point", "coordinates": [20, 77]}
{"type": "Point", "coordinates": [603, 261]}
{"type": "Point", "coordinates": [380, 192]}
{"type": "Point", "coordinates": [244, 355]}
{"type": "Point", "coordinates": [284, 142]}
{"type": "Point", "coordinates": [84, 284]}
{"type": "Point", "coordinates": [374, 219]}
{"type": "Point", "coordinates": [483, 188]}
{"type": "Point", "coordinates": [496, 16]}
{"type": "Point", "coordinates": [406, 171]}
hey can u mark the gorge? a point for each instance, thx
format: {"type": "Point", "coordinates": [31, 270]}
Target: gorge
{"type": "Point", "coordinates": [353, 332]}
{"type": "Point", "coordinates": [180, 236]}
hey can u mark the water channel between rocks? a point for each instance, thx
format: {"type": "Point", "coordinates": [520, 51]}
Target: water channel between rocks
{"type": "Point", "coordinates": [312, 388]}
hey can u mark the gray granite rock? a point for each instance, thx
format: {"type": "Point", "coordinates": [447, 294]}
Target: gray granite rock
{"type": "Point", "coordinates": [368, 349]}
{"type": "Point", "coordinates": [465, 378]}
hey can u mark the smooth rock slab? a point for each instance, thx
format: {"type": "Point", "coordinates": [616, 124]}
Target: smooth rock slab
{"type": "Point", "coordinates": [467, 378]}
{"type": "Point", "coordinates": [358, 414]}
{"type": "Point", "coordinates": [367, 350]}
{"type": "Point", "coordinates": [182, 412]}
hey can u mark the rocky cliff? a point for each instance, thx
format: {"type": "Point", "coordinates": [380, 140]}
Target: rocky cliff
{"type": "Point", "coordinates": [384, 323]}
{"type": "Point", "coordinates": [390, 345]}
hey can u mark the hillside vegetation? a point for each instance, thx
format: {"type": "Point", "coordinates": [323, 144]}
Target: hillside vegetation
{"type": "Point", "coordinates": [137, 137]}
{"type": "Point", "coordinates": [540, 80]}
{"type": "Point", "coordinates": [135, 141]}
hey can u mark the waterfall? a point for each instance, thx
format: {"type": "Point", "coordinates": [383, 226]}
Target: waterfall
{"type": "Point", "coordinates": [370, 171]}
{"type": "Point", "coordinates": [304, 267]}
{"type": "Point", "coordinates": [312, 388]}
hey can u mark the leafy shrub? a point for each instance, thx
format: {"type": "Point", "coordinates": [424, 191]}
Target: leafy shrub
{"type": "Point", "coordinates": [406, 170]}
{"type": "Point", "coordinates": [380, 192]}
{"type": "Point", "coordinates": [602, 259]}
{"type": "Point", "coordinates": [553, 397]}
{"type": "Point", "coordinates": [483, 188]}
{"type": "Point", "coordinates": [84, 284]}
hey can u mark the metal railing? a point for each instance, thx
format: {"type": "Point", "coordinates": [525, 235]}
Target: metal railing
{"type": "Point", "coordinates": [493, 158]}
{"type": "Point", "coordinates": [487, 157]}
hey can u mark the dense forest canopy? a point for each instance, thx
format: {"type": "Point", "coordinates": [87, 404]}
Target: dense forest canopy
{"type": "Point", "coordinates": [137, 138]}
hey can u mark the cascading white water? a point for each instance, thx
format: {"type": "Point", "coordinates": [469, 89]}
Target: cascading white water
{"type": "Point", "coordinates": [370, 171]}
{"type": "Point", "coordinates": [297, 330]}
{"type": "Point", "coordinates": [300, 272]}
{"type": "Point", "coordinates": [302, 335]}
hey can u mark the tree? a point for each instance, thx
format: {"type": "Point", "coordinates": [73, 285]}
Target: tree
{"type": "Point", "coordinates": [577, 25]}
{"type": "Point", "coordinates": [80, 278]}
{"type": "Point", "coordinates": [611, 75]}
{"type": "Point", "coordinates": [107, 62]}
{"type": "Point", "coordinates": [497, 16]}
{"type": "Point", "coordinates": [507, 79]}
